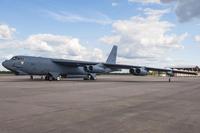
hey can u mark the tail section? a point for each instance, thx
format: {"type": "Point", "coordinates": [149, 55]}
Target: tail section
{"type": "Point", "coordinates": [112, 56]}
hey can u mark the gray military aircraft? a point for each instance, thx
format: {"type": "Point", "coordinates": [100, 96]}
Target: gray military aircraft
{"type": "Point", "coordinates": [55, 69]}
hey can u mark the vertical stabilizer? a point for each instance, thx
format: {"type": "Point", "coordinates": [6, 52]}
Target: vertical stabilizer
{"type": "Point", "coordinates": [112, 56]}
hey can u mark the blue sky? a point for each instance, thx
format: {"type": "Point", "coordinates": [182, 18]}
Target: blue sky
{"type": "Point", "coordinates": [148, 32]}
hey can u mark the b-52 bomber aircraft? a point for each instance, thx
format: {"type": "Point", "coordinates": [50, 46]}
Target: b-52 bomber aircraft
{"type": "Point", "coordinates": [55, 69]}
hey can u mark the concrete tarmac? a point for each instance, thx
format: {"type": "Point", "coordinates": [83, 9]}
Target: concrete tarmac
{"type": "Point", "coordinates": [111, 104]}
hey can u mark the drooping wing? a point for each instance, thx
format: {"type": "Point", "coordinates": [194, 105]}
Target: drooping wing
{"type": "Point", "coordinates": [171, 70]}
{"type": "Point", "coordinates": [73, 63]}
{"type": "Point", "coordinates": [121, 66]}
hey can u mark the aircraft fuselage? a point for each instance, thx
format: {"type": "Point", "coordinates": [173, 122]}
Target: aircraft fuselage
{"type": "Point", "coordinates": [22, 65]}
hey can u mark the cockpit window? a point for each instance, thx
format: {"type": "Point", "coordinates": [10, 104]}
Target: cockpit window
{"type": "Point", "coordinates": [13, 58]}
{"type": "Point", "coordinates": [17, 58]}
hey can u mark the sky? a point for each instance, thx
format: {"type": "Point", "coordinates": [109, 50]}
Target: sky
{"type": "Point", "coordinates": [157, 33]}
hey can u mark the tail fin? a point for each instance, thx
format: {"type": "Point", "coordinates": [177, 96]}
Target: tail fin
{"type": "Point", "coordinates": [112, 56]}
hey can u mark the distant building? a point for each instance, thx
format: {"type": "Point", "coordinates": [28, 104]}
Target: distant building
{"type": "Point", "coordinates": [187, 68]}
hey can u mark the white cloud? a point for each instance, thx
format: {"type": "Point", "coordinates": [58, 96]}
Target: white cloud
{"type": "Point", "coordinates": [6, 31]}
{"type": "Point", "coordinates": [145, 1]}
{"type": "Point", "coordinates": [144, 37]}
{"type": "Point", "coordinates": [114, 4]}
{"type": "Point", "coordinates": [155, 13]}
{"type": "Point", "coordinates": [186, 10]}
{"type": "Point", "coordinates": [54, 43]}
{"type": "Point", "coordinates": [49, 45]}
{"type": "Point", "coordinates": [62, 16]}
{"type": "Point", "coordinates": [197, 38]}
{"type": "Point", "coordinates": [61, 47]}
{"type": "Point", "coordinates": [111, 39]}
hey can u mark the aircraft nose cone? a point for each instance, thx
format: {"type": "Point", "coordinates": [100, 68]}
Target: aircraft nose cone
{"type": "Point", "coordinates": [5, 63]}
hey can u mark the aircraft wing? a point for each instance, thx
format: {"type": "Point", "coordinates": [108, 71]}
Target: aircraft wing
{"type": "Point", "coordinates": [73, 63]}
{"type": "Point", "coordinates": [171, 70]}
{"type": "Point", "coordinates": [121, 66]}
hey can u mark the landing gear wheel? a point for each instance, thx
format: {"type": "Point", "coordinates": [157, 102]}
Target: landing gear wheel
{"type": "Point", "coordinates": [87, 78]}
{"type": "Point", "coordinates": [90, 77]}
{"type": "Point", "coordinates": [58, 78]}
{"type": "Point", "coordinates": [50, 78]}
{"type": "Point", "coordinates": [47, 77]}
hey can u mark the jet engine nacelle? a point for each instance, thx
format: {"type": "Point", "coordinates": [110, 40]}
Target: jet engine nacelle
{"type": "Point", "coordinates": [95, 69]}
{"type": "Point", "coordinates": [138, 71]}
{"type": "Point", "coordinates": [170, 73]}
{"type": "Point", "coordinates": [86, 68]}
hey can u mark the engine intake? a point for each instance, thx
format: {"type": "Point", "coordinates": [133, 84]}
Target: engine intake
{"type": "Point", "coordinates": [95, 69]}
{"type": "Point", "coordinates": [170, 73]}
{"type": "Point", "coordinates": [138, 71]}
{"type": "Point", "coordinates": [86, 68]}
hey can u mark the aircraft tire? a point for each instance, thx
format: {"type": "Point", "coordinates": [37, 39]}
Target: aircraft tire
{"type": "Point", "coordinates": [47, 77]}
{"type": "Point", "coordinates": [50, 78]}
{"type": "Point", "coordinates": [89, 77]}
{"type": "Point", "coordinates": [85, 79]}
{"type": "Point", "coordinates": [58, 78]}
{"type": "Point", "coordinates": [92, 78]}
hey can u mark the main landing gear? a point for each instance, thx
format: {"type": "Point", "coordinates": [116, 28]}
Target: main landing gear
{"type": "Point", "coordinates": [90, 77]}
{"type": "Point", "coordinates": [51, 78]}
